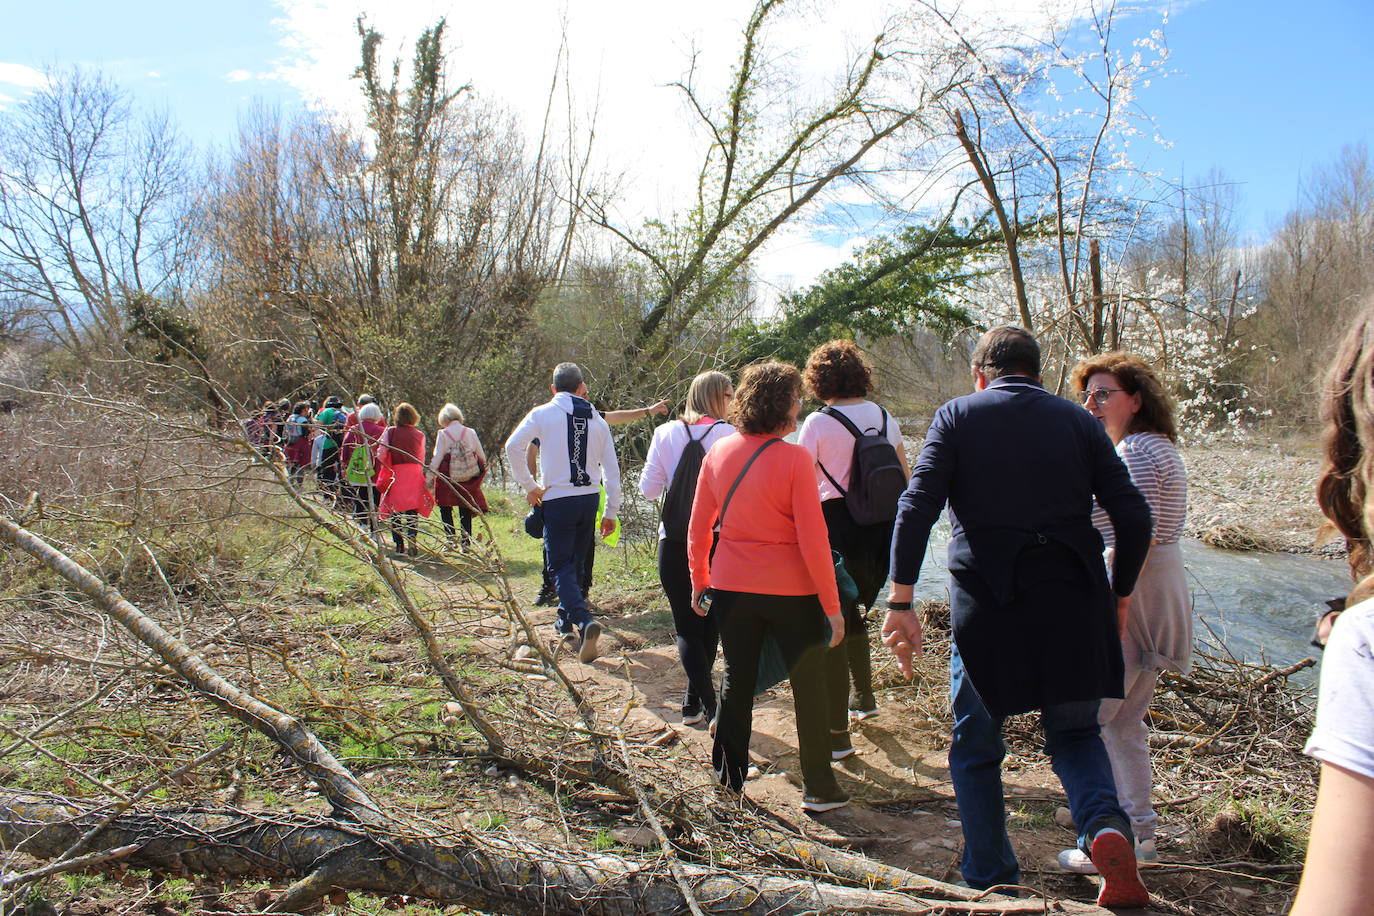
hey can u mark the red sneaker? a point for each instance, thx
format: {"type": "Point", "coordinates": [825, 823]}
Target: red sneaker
{"type": "Point", "coordinates": [1115, 861]}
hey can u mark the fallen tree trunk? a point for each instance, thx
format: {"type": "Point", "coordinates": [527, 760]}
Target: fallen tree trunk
{"type": "Point", "coordinates": [495, 873]}
{"type": "Point", "coordinates": [296, 742]}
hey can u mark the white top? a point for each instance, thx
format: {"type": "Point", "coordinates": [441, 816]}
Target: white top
{"type": "Point", "coordinates": [1157, 471]}
{"type": "Point", "coordinates": [832, 445]}
{"type": "Point", "coordinates": [665, 451]}
{"type": "Point", "coordinates": [446, 443]}
{"type": "Point", "coordinates": [1344, 734]}
{"type": "Point", "coordinates": [549, 424]}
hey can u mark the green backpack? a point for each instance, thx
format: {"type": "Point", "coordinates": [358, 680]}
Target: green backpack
{"type": "Point", "coordinates": [359, 470]}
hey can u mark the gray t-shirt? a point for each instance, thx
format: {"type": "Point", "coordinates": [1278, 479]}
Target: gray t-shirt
{"type": "Point", "coordinates": [1344, 734]}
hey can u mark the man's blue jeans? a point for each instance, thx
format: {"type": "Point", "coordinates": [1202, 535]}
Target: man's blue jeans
{"type": "Point", "coordinates": [1074, 743]}
{"type": "Point", "coordinates": [568, 531]}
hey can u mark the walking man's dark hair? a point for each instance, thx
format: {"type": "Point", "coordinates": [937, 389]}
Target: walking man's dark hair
{"type": "Point", "coordinates": [1007, 350]}
{"type": "Point", "coordinates": [567, 377]}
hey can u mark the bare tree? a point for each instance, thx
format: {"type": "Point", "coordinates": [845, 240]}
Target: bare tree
{"type": "Point", "coordinates": [94, 206]}
{"type": "Point", "coordinates": [1059, 181]}
{"type": "Point", "coordinates": [756, 175]}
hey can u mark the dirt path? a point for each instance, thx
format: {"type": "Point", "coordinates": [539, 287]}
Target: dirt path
{"type": "Point", "coordinates": [903, 813]}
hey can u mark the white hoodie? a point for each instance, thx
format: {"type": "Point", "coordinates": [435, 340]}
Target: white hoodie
{"type": "Point", "coordinates": [549, 424]}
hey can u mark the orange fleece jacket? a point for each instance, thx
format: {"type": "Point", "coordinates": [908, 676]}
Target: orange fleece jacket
{"type": "Point", "coordinates": [774, 541]}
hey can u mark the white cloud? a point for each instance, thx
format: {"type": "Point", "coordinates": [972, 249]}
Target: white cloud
{"type": "Point", "coordinates": [622, 56]}
{"type": "Point", "coordinates": [154, 75]}
{"type": "Point", "coordinates": [238, 76]}
{"type": "Point", "coordinates": [20, 75]}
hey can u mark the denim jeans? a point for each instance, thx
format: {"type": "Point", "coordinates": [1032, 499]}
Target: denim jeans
{"type": "Point", "coordinates": [568, 535]}
{"type": "Point", "coordinates": [1074, 744]}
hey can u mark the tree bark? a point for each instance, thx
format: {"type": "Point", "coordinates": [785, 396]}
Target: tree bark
{"type": "Point", "coordinates": [494, 873]}
{"type": "Point", "coordinates": [1010, 232]}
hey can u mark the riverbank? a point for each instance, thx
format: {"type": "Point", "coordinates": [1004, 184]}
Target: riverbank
{"type": "Point", "coordinates": [1260, 495]}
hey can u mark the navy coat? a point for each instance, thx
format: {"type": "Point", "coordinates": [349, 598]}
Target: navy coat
{"type": "Point", "coordinates": [1033, 614]}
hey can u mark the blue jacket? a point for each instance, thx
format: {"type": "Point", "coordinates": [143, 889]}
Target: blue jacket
{"type": "Point", "coordinates": [1031, 608]}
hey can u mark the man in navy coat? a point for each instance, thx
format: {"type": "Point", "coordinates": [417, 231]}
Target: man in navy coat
{"type": "Point", "coordinates": [1036, 624]}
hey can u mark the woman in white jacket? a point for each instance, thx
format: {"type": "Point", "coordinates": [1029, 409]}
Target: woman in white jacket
{"type": "Point", "coordinates": [698, 638]}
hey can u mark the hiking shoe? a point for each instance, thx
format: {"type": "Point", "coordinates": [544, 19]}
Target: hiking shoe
{"type": "Point", "coordinates": [863, 707]}
{"type": "Point", "coordinates": [818, 804]}
{"type": "Point", "coordinates": [1115, 860]}
{"type": "Point", "coordinates": [586, 646]}
{"type": "Point", "coordinates": [547, 598]}
{"type": "Point", "coordinates": [1076, 861]}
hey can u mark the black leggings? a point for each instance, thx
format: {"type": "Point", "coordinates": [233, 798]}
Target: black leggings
{"type": "Point", "coordinates": [697, 637]}
{"type": "Point", "coordinates": [464, 519]}
{"type": "Point", "coordinates": [405, 526]}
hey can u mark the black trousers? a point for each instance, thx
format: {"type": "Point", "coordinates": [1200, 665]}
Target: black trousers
{"type": "Point", "coordinates": [697, 637]}
{"type": "Point", "coordinates": [464, 519]}
{"type": "Point", "coordinates": [866, 552]}
{"type": "Point", "coordinates": [797, 623]}
{"type": "Point", "coordinates": [365, 500]}
{"type": "Point", "coordinates": [405, 526]}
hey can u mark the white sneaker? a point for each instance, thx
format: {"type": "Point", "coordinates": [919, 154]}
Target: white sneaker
{"type": "Point", "coordinates": [586, 649]}
{"type": "Point", "coordinates": [693, 718]}
{"type": "Point", "coordinates": [1076, 860]}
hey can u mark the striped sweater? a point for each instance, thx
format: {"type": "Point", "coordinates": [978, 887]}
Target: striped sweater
{"type": "Point", "coordinates": [1157, 471]}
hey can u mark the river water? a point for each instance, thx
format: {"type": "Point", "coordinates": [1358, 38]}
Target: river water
{"type": "Point", "coordinates": [1260, 606]}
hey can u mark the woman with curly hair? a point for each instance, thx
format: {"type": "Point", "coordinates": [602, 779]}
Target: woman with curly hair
{"type": "Point", "coordinates": [838, 374]}
{"type": "Point", "coordinates": [1122, 391]}
{"type": "Point", "coordinates": [770, 573]}
{"type": "Point", "coordinates": [1336, 878]}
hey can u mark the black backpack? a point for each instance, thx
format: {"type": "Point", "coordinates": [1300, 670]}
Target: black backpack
{"type": "Point", "coordinates": [876, 479]}
{"type": "Point", "coordinates": [677, 501]}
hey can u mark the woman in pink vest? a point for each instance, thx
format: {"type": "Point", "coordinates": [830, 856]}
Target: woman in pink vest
{"type": "Point", "coordinates": [402, 478]}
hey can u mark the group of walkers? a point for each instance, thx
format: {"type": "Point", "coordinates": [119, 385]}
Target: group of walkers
{"type": "Point", "coordinates": [1067, 587]}
{"type": "Point", "coordinates": [773, 553]}
{"type": "Point", "coordinates": [377, 471]}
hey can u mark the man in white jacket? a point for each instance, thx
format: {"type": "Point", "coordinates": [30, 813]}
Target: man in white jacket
{"type": "Point", "coordinates": [576, 455]}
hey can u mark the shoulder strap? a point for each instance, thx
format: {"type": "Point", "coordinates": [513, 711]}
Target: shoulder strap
{"type": "Point", "coordinates": [844, 421]}
{"type": "Point", "coordinates": [833, 482]}
{"type": "Point", "coordinates": [883, 431]}
{"type": "Point", "coordinates": [703, 435]}
{"type": "Point", "coordinates": [720, 517]}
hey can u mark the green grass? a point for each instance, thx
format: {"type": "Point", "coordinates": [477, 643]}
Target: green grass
{"type": "Point", "coordinates": [1032, 816]}
{"type": "Point", "coordinates": [1276, 825]}
{"type": "Point", "coordinates": [78, 884]}
{"type": "Point", "coordinates": [490, 821]}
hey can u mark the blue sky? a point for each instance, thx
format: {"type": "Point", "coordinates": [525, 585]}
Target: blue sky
{"type": "Point", "coordinates": [1263, 89]}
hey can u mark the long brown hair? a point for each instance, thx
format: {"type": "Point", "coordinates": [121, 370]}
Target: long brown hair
{"type": "Point", "coordinates": [1348, 414]}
